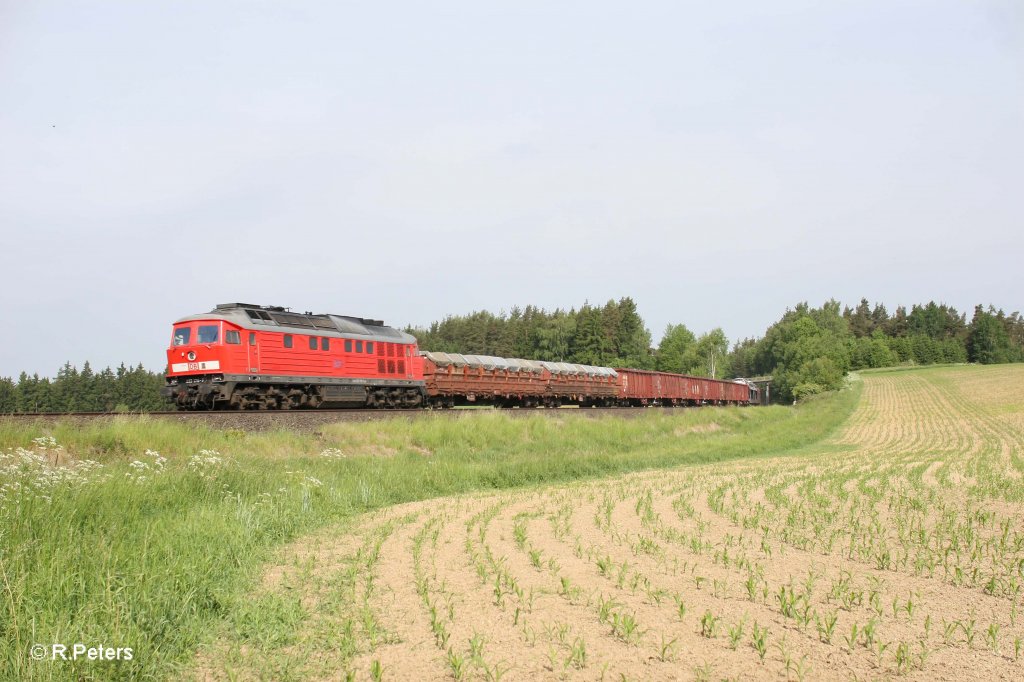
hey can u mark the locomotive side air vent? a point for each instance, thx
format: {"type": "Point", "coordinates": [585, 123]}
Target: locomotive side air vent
{"type": "Point", "coordinates": [291, 319]}
{"type": "Point", "coordinates": [321, 322]}
{"type": "Point", "coordinates": [365, 321]}
{"type": "Point", "coordinates": [260, 316]}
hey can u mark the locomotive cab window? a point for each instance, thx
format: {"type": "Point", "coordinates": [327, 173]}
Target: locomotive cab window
{"type": "Point", "coordinates": [233, 337]}
{"type": "Point", "coordinates": [182, 336]}
{"type": "Point", "coordinates": [252, 338]}
{"type": "Point", "coordinates": [207, 333]}
{"type": "Point", "coordinates": [312, 343]}
{"type": "Point", "coordinates": [287, 340]}
{"type": "Point", "coordinates": [325, 344]}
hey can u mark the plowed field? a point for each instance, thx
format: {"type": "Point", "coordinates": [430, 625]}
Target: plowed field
{"type": "Point", "coordinates": [896, 548]}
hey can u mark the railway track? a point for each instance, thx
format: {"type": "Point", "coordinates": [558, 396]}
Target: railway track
{"type": "Point", "coordinates": [305, 420]}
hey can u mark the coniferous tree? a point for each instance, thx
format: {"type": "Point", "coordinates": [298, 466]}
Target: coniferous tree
{"type": "Point", "coordinates": [988, 342]}
{"type": "Point", "coordinates": [590, 339]}
{"type": "Point", "coordinates": [8, 396]}
{"type": "Point", "coordinates": [741, 359]}
{"type": "Point", "coordinates": [633, 343]}
{"type": "Point", "coordinates": [860, 321]}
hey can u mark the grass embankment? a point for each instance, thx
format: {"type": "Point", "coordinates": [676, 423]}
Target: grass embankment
{"type": "Point", "coordinates": [157, 536]}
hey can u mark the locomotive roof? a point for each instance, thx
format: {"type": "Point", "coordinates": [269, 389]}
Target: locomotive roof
{"type": "Point", "coordinates": [255, 317]}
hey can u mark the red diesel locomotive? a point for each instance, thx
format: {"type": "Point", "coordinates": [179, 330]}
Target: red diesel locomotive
{"type": "Point", "coordinates": [241, 356]}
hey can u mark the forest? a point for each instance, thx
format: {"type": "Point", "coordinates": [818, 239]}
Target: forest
{"type": "Point", "coordinates": [807, 351]}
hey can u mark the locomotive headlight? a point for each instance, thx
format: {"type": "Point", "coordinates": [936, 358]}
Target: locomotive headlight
{"type": "Point", "coordinates": [191, 355]}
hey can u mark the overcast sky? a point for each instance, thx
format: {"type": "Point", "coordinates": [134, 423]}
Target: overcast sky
{"type": "Point", "coordinates": [717, 162]}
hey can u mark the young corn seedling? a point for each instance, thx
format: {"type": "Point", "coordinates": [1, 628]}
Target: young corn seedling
{"type": "Point", "coordinates": [735, 634]}
{"type": "Point", "coordinates": [879, 649]}
{"type": "Point", "coordinates": [554, 660]}
{"type": "Point", "coordinates": [668, 649]}
{"type": "Point", "coordinates": [787, 657]}
{"type": "Point", "coordinates": [851, 639]}
{"type": "Point", "coordinates": [519, 533]}
{"type": "Point", "coordinates": [496, 672]}
{"type": "Point", "coordinates": [751, 585]}
{"type": "Point", "coordinates": [623, 571]}
{"type": "Point", "coordinates": [626, 628]}
{"type": "Point", "coordinates": [578, 654]}
{"type": "Point", "coordinates": [869, 633]}
{"type": "Point", "coordinates": [457, 664]}
{"type": "Point", "coordinates": [709, 624]}
{"type": "Point", "coordinates": [680, 607]}
{"type": "Point", "coordinates": [605, 609]}
{"type": "Point", "coordinates": [804, 615]}
{"type": "Point", "coordinates": [992, 637]}
{"type": "Point", "coordinates": [826, 626]}
{"type": "Point", "coordinates": [922, 655]}
{"type": "Point", "coordinates": [802, 668]}
{"type": "Point", "coordinates": [476, 647]}
{"type": "Point", "coordinates": [949, 630]}
{"type": "Point", "coordinates": [902, 658]}
{"type": "Point", "coordinates": [969, 633]}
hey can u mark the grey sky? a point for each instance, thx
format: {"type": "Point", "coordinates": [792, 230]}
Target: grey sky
{"type": "Point", "coordinates": [717, 162]}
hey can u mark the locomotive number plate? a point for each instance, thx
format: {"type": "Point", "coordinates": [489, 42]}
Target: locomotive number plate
{"type": "Point", "coordinates": [195, 366]}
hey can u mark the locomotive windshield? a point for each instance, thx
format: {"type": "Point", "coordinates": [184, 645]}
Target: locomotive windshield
{"type": "Point", "coordinates": [207, 333]}
{"type": "Point", "coordinates": [182, 335]}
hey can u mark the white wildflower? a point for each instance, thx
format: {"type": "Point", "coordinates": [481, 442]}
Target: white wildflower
{"type": "Point", "coordinates": [38, 471]}
{"type": "Point", "coordinates": [206, 463]}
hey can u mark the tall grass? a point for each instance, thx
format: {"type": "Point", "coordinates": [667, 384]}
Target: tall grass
{"type": "Point", "coordinates": [152, 550]}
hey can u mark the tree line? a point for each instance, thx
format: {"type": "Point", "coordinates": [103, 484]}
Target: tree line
{"type": "Point", "coordinates": [807, 351]}
{"type": "Point", "coordinates": [810, 350]}
{"type": "Point", "coordinates": [126, 389]}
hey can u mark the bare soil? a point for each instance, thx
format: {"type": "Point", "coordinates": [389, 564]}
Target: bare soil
{"type": "Point", "coordinates": [896, 549]}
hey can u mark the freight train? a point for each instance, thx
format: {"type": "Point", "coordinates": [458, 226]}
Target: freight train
{"type": "Point", "coordinates": [249, 357]}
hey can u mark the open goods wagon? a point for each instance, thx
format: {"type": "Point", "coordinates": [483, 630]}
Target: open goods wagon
{"type": "Point", "coordinates": [454, 379]}
{"type": "Point", "coordinates": [641, 387]}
